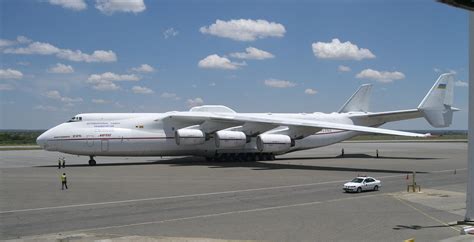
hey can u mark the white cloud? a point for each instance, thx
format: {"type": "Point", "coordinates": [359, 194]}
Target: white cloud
{"type": "Point", "coordinates": [217, 62]}
{"type": "Point", "coordinates": [35, 48]}
{"type": "Point", "coordinates": [342, 68]}
{"type": "Point", "coordinates": [76, 5]}
{"type": "Point", "coordinates": [380, 76]}
{"type": "Point", "coordinates": [97, 56]}
{"type": "Point", "coordinates": [6, 87]}
{"type": "Point", "coordinates": [253, 53]}
{"type": "Point", "coordinates": [54, 94]}
{"type": "Point", "coordinates": [46, 108]}
{"type": "Point", "coordinates": [195, 102]}
{"type": "Point", "coordinates": [143, 68]}
{"type": "Point", "coordinates": [111, 6]}
{"type": "Point", "coordinates": [279, 83]}
{"type": "Point", "coordinates": [244, 29]}
{"type": "Point", "coordinates": [171, 32]}
{"type": "Point", "coordinates": [310, 91]}
{"type": "Point", "coordinates": [5, 43]}
{"type": "Point", "coordinates": [340, 51]}
{"type": "Point", "coordinates": [40, 48]}
{"type": "Point", "coordinates": [22, 40]}
{"type": "Point", "coordinates": [170, 95]}
{"type": "Point", "coordinates": [61, 69]}
{"type": "Point", "coordinates": [436, 70]}
{"type": "Point", "coordinates": [142, 90]}
{"type": "Point", "coordinates": [10, 74]}
{"type": "Point", "coordinates": [106, 86]}
{"type": "Point", "coordinates": [461, 84]}
{"type": "Point", "coordinates": [100, 101]}
{"type": "Point", "coordinates": [105, 81]}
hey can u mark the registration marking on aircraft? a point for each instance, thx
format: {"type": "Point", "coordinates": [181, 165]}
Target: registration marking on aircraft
{"type": "Point", "coordinates": [197, 195]}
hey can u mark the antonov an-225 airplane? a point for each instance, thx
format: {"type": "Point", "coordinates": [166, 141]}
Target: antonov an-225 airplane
{"type": "Point", "coordinates": [219, 133]}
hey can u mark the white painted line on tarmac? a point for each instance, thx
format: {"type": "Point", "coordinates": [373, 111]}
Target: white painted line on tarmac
{"type": "Point", "coordinates": [226, 213]}
{"type": "Point", "coordinates": [194, 195]}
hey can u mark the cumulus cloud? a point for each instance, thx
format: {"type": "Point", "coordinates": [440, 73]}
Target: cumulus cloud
{"type": "Point", "coordinates": [195, 102]}
{"type": "Point", "coordinates": [340, 51]}
{"type": "Point", "coordinates": [5, 43]}
{"type": "Point", "coordinates": [142, 90]}
{"type": "Point", "coordinates": [144, 68]}
{"type": "Point", "coordinates": [100, 101]}
{"type": "Point", "coordinates": [46, 108]}
{"type": "Point", "coordinates": [40, 48]}
{"type": "Point", "coordinates": [111, 6]}
{"type": "Point", "coordinates": [170, 95]}
{"type": "Point", "coordinates": [342, 68]}
{"type": "Point", "coordinates": [19, 40]}
{"type": "Point", "coordinates": [171, 32]}
{"type": "Point", "coordinates": [275, 83]}
{"type": "Point", "coordinates": [54, 94]}
{"type": "Point", "coordinates": [310, 91]}
{"type": "Point", "coordinates": [6, 87]}
{"type": "Point", "coordinates": [217, 62]}
{"type": "Point", "coordinates": [380, 76]}
{"type": "Point", "coordinates": [105, 81]}
{"type": "Point", "coordinates": [461, 84]}
{"type": "Point", "coordinates": [76, 5]}
{"type": "Point", "coordinates": [10, 74]}
{"type": "Point", "coordinates": [244, 29]}
{"type": "Point", "coordinates": [61, 69]}
{"type": "Point", "coordinates": [252, 53]}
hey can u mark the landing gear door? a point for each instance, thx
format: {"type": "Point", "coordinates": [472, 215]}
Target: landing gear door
{"type": "Point", "coordinates": [90, 140]}
{"type": "Point", "coordinates": [104, 144]}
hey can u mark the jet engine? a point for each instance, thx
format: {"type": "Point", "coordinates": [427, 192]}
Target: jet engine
{"type": "Point", "coordinates": [189, 137]}
{"type": "Point", "coordinates": [273, 143]}
{"type": "Point", "coordinates": [230, 139]}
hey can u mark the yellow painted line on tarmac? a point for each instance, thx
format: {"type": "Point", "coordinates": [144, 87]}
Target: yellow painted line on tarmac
{"type": "Point", "coordinates": [425, 214]}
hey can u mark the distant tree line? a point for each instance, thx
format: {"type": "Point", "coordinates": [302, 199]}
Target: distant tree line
{"type": "Point", "coordinates": [19, 137]}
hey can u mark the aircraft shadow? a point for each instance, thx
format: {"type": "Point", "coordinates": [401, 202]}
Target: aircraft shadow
{"type": "Point", "coordinates": [360, 156]}
{"type": "Point", "coordinates": [418, 227]}
{"type": "Point", "coordinates": [254, 165]}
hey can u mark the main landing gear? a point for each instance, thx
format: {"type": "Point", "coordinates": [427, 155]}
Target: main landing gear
{"type": "Point", "coordinates": [92, 161]}
{"type": "Point", "coordinates": [242, 157]}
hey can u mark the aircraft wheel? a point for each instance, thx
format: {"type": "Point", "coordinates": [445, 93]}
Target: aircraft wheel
{"type": "Point", "coordinates": [92, 162]}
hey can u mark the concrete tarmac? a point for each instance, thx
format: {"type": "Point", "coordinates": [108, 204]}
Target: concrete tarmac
{"type": "Point", "coordinates": [297, 197]}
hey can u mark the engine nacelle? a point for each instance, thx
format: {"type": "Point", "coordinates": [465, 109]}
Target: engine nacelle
{"type": "Point", "coordinates": [273, 143]}
{"type": "Point", "coordinates": [230, 139]}
{"type": "Point", "coordinates": [189, 137]}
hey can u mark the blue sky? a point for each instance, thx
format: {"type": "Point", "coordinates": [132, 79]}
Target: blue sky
{"type": "Point", "coordinates": [63, 57]}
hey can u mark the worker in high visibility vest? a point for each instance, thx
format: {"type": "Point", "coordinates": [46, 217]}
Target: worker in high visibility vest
{"type": "Point", "coordinates": [63, 181]}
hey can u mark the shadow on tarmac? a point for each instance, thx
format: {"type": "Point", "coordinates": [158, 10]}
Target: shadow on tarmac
{"type": "Point", "coordinates": [418, 227]}
{"type": "Point", "coordinates": [254, 165]}
{"type": "Point", "coordinates": [359, 156]}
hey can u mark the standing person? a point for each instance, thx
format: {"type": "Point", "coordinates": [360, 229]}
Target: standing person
{"type": "Point", "coordinates": [59, 163]}
{"type": "Point", "coordinates": [64, 162]}
{"type": "Point", "coordinates": [63, 181]}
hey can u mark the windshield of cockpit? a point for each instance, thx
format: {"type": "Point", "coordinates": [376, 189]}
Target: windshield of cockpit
{"type": "Point", "coordinates": [75, 119]}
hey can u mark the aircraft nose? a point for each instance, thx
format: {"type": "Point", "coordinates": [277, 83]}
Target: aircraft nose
{"type": "Point", "coordinates": [41, 140]}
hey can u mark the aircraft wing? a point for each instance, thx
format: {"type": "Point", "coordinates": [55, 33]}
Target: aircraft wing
{"type": "Point", "coordinates": [233, 119]}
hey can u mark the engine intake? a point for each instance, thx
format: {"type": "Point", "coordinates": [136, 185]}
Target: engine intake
{"type": "Point", "coordinates": [230, 139]}
{"type": "Point", "coordinates": [273, 143]}
{"type": "Point", "coordinates": [189, 137]}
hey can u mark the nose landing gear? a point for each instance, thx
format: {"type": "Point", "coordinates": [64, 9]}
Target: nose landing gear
{"type": "Point", "coordinates": [92, 161]}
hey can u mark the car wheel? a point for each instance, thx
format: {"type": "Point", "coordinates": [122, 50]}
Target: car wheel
{"type": "Point", "coordinates": [359, 190]}
{"type": "Point", "coordinates": [376, 188]}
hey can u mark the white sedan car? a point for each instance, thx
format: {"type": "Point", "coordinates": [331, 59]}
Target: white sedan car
{"type": "Point", "coordinates": [362, 183]}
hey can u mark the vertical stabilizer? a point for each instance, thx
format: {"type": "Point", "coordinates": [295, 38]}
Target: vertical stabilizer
{"type": "Point", "coordinates": [359, 101]}
{"type": "Point", "coordinates": [436, 106]}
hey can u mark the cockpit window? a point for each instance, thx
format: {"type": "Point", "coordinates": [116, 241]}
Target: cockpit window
{"type": "Point", "coordinates": [75, 119]}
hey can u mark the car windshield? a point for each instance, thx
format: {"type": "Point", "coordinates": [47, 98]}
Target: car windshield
{"type": "Point", "coordinates": [357, 180]}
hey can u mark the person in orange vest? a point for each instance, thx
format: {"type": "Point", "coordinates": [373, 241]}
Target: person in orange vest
{"type": "Point", "coordinates": [63, 181]}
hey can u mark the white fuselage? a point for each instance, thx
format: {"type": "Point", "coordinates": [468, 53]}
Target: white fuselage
{"type": "Point", "coordinates": [146, 134]}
